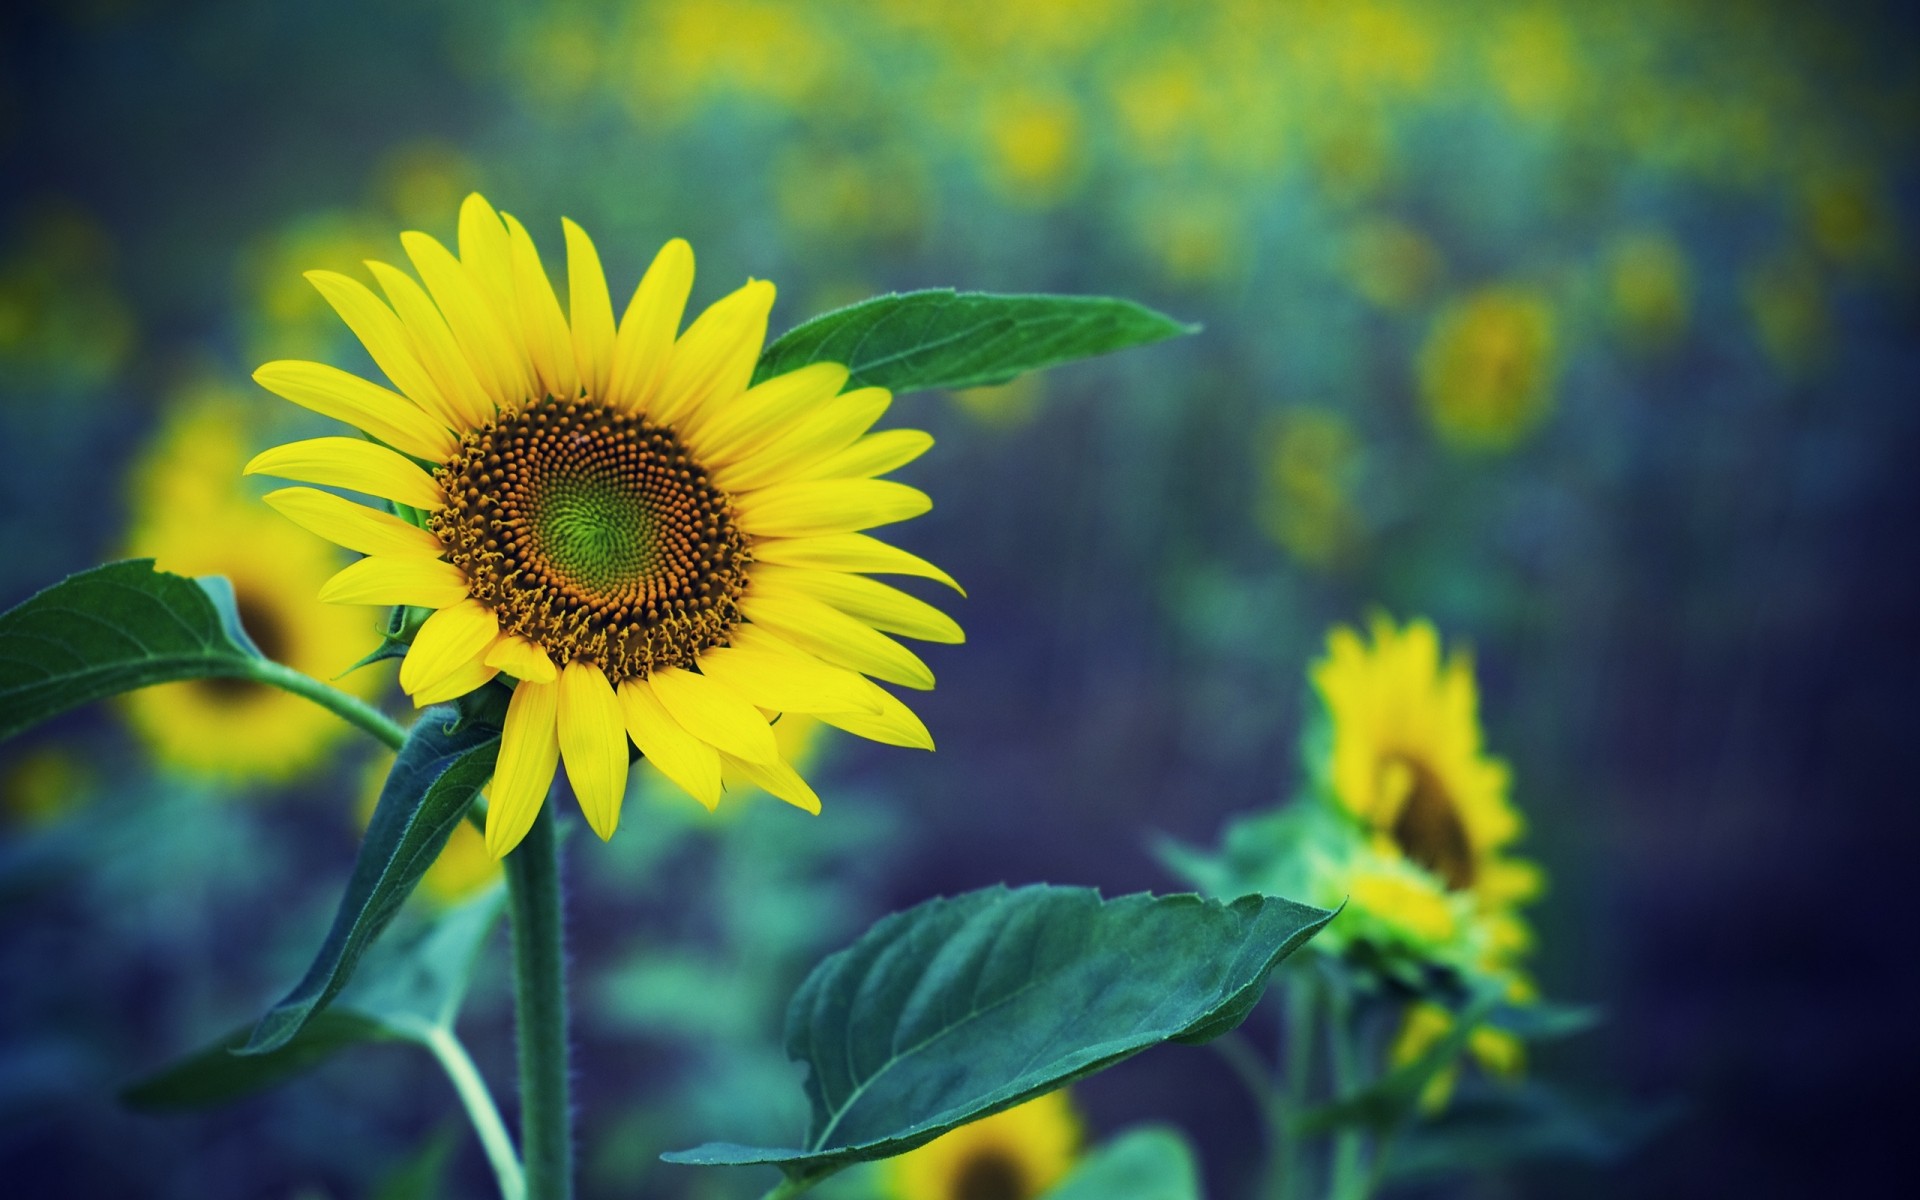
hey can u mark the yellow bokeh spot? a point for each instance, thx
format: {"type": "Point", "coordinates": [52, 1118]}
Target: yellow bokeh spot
{"type": "Point", "coordinates": [1649, 288]}
{"type": "Point", "coordinates": [1488, 368]}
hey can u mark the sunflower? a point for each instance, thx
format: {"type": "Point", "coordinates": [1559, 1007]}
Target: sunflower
{"type": "Point", "coordinates": [1487, 368]}
{"type": "Point", "coordinates": [1018, 1154]}
{"type": "Point", "coordinates": [188, 518]}
{"type": "Point", "coordinates": [610, 515]}
{"type": "Point", "coordinates": [1403, 758]}
{"type": "Point", "coordinates": [1498, 1052]}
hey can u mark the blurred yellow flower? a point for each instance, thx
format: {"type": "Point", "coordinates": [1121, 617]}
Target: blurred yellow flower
{"type": "Point", "coordinates": [1533, 59]}
{"type": "Point", "coordinates": [42, 786]}
{"type": "Point", "coordinates": [1787, 299]}
{"type": "Point", "coordinates": [1648, 287]}
{"type": "Point", "coordinates": [1307, 475]}
{"type": "Point", "coordinates": [1005, 406]}
{"type": "Point", "coordinates": [62, 322]}
{"type": "Point", "coordinates": [1498, 1052]}
{"type": "Point", "coordinates": [1850, 219]}
{"type": "Point", "coordinates": [1488, 367]}
{"type": "Point", "coordinates": [1015, 1155]}
{"type": "Point", "coordinates": [421, 182]}
{"type": "Point", "coordinates": [1033, 144]}
{"type": "Point", "coordinates": [1391, 264]}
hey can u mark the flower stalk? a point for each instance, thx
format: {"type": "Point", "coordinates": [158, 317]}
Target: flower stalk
{"type": "Point", "coordinates": [540, 1005]}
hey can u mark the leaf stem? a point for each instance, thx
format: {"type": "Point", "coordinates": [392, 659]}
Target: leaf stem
{"type": "Point", "coordinates": [540, 1004]}
{"type": "Point", "coordinates": [1284, 1174]}
{"type": "Point", "coordinates": [352, 709]}
{"type": "Point", "coordinates": [459, 1066]}
{"type": "Point", "coordinates": [1348, 1182]}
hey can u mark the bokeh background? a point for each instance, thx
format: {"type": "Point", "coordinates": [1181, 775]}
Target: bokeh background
{"type": "Point", "coordinates": [1585, 330]}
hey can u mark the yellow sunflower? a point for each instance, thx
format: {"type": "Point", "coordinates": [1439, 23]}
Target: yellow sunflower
{"type": "Point", "coordinates": [190, 519]}
{"type": "Point", "coordinates": [1404, 759]}
{"type": "Point", "coordinates": [1018, 1154]}
{"type": "Point", "coordinates": [1488, 366]}
{"type": "Point", "coordinates": [608, 514]}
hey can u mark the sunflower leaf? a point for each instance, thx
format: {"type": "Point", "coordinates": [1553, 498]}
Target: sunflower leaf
{"type": "Point", "coordinates": [1148, 1162]}
{"type": "Point", "coordinates": [217, 1075]}
{"type": "Point", "coordinates": [959, 1008]}
{"type": "Point", "coordinates": [940, 338]}
{"type": "Point", "coordinates": [438, 772]}
{"type": "Point", "coordinates": [113, 629]}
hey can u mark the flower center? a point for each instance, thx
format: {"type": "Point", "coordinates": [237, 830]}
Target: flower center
{"type": "Point", "coordinates": [269, 632]}
{"type": "Point", "coordinates": [990, 1175]}
{"type": "Point", "coordinates": [594, 534]}
{"type": "Point", "coordinates": [1428, 829]}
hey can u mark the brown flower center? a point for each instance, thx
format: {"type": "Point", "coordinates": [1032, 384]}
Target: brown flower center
{"type": "Point", "coordinates": [1429, 830]}
{"type": "Point", "coordinates": [990, 1175]}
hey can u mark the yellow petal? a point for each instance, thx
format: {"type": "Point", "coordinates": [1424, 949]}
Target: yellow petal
{"type": "Point", "coordinates": [690, 763]}
{"type": "Point", "coordinates": [784, 682]}
{"type": "Point", "coordinates": [353, 464]}
{"type": "Point", "coordinates": [759, 416]}
{"type": "Point", "coordinates": [549, 340]}
{"type": "Point", "coordinates": [827, 506]}
{"type": "Point", "coordinates": [777, 778]}
{"type": "Point", "coordinates": [484, 252]}
{"type": "Point", "coordinates": [423, 582]}
{"type": "Point", "coordinates": [387, 340]}
{"type": "Point", "coordinates": [884, 607]}
{"type": "Point", "coordinates": [715, 714]}
{"type": "Point", "coordinates": [354, 526]}
{"type": "Point", "coordinates": [472, 676]}
{"type": "Point", "coordinates": [826, 430]}
{"type": "Point", "coordinates": [841, 640]}
{"type": "Point", "coordinates": [850, 552]}
{"type": "Point", "coordinates": [650, 324]}
{"type": "Point", "coordinates": [524, 772]}
{"type": "Point", "coordinates": [713, 360]}
{"type": "Point", "coordinates": [593, 744]}
{"type": "Point", "coordinates": [875, 454]}
{"type": "Point", "coordinates": [498, 356]}
{"type": "Point", "coordinates": [895, 724]}
{"type": "Point", "coordinates": [452, 638]}
{"type": "Point", "coordinates": [591, 309]}
{"type": "Point", "coordinates": [470, 404]}
{"type": "Point", "coordinates": [389, 416]}
{"type": "Point", "coordinates": [521, 659]}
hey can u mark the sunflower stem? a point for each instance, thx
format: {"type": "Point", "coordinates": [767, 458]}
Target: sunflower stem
{"type": "Point", "coordinates": [1348, 1181]}
{"type": "Point", "coordinates": [1284, 1180]}
{"type": "Point", "coordinates": [351, 709]}
{"type": "Point", "coordinates": [540, 1004]}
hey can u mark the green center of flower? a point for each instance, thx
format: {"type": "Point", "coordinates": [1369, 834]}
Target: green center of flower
{"type": "Point", "coordinates": [1429, 830]}
{"type": "Point", "coordinates": [596, 535]}
{"type": "Point", "coordinates": [990, 1175]}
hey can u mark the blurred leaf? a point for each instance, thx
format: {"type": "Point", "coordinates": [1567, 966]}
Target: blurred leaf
{"type": "Point", "coordinates": [444, 763]}
{"type": "Point", "coordinates": [216, 1074]}
{"type": "Point", "coordinates": [940, 338]}
{"type": "Point", "coordinates": [1539, 1021]}
{"type": "Point", "coordinates": [1493, 1125]}
{"type": "Point", "coordinates": [419, 979]}
{"type": "Point", "coordinates": [1150, 1162]}
{"type": "Point", "coordinates": [1387, 1102]}
{"type": "Point", "coordinates": [959, 1008]}
{"type": "Point", "coordinates": [114, 629]}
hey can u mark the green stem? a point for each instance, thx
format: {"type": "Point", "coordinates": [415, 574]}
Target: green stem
{"type": "Point", "coordinates": [540, 1002]}
{"type": "Point", "coordinates": [1284, 1179]}
{"type": "Point", "coordinates": [472, 1089]}
{"type": "Point", "coordinates": [1348, 1181]}
{"type": "Point", "coordinates": [352, 709]}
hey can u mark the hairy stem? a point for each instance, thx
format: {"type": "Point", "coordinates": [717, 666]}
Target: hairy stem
{"type": "Point", "coordinates": [540, 1003]}
{"type": "Point", "coordinates": [352, 709]}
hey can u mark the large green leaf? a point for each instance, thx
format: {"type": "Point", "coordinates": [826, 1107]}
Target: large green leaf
{"type": "Point", "coordinates": [445, 762]}
{"type": "Point", "coordinates": [945, 339]}
{"type": "Point", "coordinates": [1150, 1162]}
{"type": "Point", "coordinates": [110, 630]}
{"type": "Point", "coordinates": [959, 1008]}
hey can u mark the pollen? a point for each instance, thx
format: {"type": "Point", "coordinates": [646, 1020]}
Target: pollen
{"type": "Point", "coordinates": [596, 535]}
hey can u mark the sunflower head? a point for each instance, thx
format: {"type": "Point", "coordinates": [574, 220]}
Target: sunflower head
{"type": "Point", "coordinates": [1487, 369]}
{"type": "Point", "coordinates": [608, 514]}
{"type": "Point", "coordinates": [1018, 1154]}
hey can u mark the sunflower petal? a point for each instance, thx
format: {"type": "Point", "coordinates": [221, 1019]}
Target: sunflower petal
{"type": "Point", "coordinates": [497, 353]}
{"type": "Point", "coordinates": [690, 763]}
{"type": "Point", "coordinates": [850, 552]}
{"type": "Point", "coordinates": [591, 309]}
{"type": "Point", "coordinates": [825, 631]}
{"type": "Point", "coordinates": [470, 677]}
{"type": "Point", "coordinates": [880, 605]}
{"type": "Point", "coordinates": [785, 682]}
{"type": "Point", "coordinates": [522, 659]}
{"type": "Point", "coordinates": [351, 463]}
{"type": "Point", "coordinates": [387, 340]}
{"type": "Point", "coordinates": [827, 506]}
{"type": "Point", "coordinates": [485, 252]}
{"type": "Point", "coordinates": [355, 526]}
{"type": "Point", "coordinates": [763, 412]}
{"type": "Point", "coordinates": [469, 404]}
{"type": "Point", "coordinates": [450, 639]}
{"type": "Point", "coordinates": [895, 724]}
{"type": "Point", "coordinates": [826, 430]}
{"type": "Point", "coordinates": [593, 744]}
{"type": "Point", "coordinates": [549, 340]}
{"type": "Point", "coordinates": [715, 714]}
{"type": "Point", "coordinates": [529, 751]}
{"type": "Point", "coordinates": [713, 360]}
{"type": "Point", "coordinates": [331, 392]}
{"type": "Point", "coordinates": [875, 454]}
{"type": "Point", "coordinates": [777, 778]}
{"type": "Point", "coordinates": [649, 326]}
{"type": "Point", "coordinates": [423, 582]}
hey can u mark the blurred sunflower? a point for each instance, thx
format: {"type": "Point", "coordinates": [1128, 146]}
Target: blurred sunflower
{"type": "Point", "coordinates": [1018, 1154]}
{"type": "Point", "coordinates": [1487, 368]}
{"type": "Point", "coordinates": [191, 520]}
{"type": "Point", "coordinates": [1498, 1052]}
{"type": "Point", "coordinates": [1403, 758]}
{"type": "Point", "coordinates": [609, 514]}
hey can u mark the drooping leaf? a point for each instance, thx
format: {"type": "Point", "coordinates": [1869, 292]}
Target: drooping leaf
{"type": "Point", "coordinates": [216, 1075]}
{"type": "Point", "coordinates": [1148, 1162]}
{"type": "Point", "coordinates": [940, 338]}
{"type": "Point", "coordinates": [1491, 1125]}
{"type": "Point", "coordinates": [113, 629]}
{"type": "Point", "coordinates": [958, 1008]}
{"type": "Point", "coordinates": [444, 763]}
